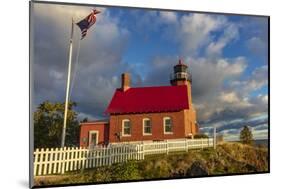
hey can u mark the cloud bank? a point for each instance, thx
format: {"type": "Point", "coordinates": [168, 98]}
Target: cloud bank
{"type": "Point", "coordinates": [229, 89]}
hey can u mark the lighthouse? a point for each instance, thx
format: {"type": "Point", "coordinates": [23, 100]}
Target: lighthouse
{"type": "Point", "coordinates": [146, 113]}
{"type": "Point", "coordinates": [182, 76]}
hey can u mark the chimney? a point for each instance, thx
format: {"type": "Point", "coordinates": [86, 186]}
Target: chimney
{"type": "Point", "coordinates": [125, 77]}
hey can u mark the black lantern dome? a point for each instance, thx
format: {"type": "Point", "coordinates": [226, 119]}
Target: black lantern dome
{"type": "Point", "coordinates": [180, 73]}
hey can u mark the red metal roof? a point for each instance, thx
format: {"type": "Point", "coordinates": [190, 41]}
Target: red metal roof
{"type": "Point", "coordinates": [149, 99]}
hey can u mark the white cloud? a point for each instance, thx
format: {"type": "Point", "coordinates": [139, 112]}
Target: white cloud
{"type": "Point", "coordinates": [195, 30]}
{"type": "Point", "coordinates": [230, 97]}
{"type": "Point", "coordinates": [214, 96]}
{"type": "Point", "coordinates": [255, 81]}
{"type": "Point", "coordinates": [260, 134]}
{"type": "Point", "coordinates": [168, 17]}
{"type": "Point", "coordinates": [264, 98]}
{"type": "Point", "coordinates": [230, 33]}
{"type": "Point", "coordinates": [257, 45]}
{"type": "Point", "coordinates": [232, 67]}
{"type": "Point", "coordinates": [62, 13]}
{"type": "Point", "coordinates": [100, 52]}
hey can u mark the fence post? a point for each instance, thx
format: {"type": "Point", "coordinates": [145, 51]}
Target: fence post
{"type": "Point", "coordinates": [63, 160]}
{"type": "Point", "coordinates": [138, 151]}
{"type": "Point", "coordinates": [56, 160]}
{"type": "Point", "coordinates": [84, 157]}
{"type": "Point", "coordinates": [71, 157]}
{"type": "Point", "coordinates": [67, 158]}
{"type": "Point", "coordinates": [167, 147]}
{"type": "Point", "coordinates": [36, 154]}
{"type": "Point", "coordinates": [110, 155]}
{"type": "Point", "coordinates": [186, 145]}
{"type": "Point", "coordinates": [40, 161]}
{"type": "Point", "coordinates": [51, 161]}
{"type": "Point", "coordinates": [113, 155]}
{"type": "Point", "coordinates": [142, 151]}
{"type": "Point", "coordinates": [46, 161]}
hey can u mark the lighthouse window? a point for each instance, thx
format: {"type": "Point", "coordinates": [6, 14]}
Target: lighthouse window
{"type": "Point", "coordinates": [147, 126]}
{"type": "Point", "coordinates": [167, 125]}
{"type": "Point", "coordinates": [126, 125]}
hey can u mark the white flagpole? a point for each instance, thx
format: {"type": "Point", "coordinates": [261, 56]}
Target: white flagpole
{"type": "Point", "coordinates": [67, 86]}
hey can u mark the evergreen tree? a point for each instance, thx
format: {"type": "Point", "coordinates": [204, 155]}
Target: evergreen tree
{"type": "Point", "coordinates": [246, 136]}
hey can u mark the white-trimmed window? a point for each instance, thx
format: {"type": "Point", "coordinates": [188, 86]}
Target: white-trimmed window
{"type": "Point", "coordinates": [126, 127]}
{"type": "Point", "coordinates": [146, 124]}
{"type": "Point", "coordinates": [93, 138]}
{"type": "Point", "coordinates": [168, 127]}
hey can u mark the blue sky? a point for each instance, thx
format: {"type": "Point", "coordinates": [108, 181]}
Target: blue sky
{"type": "Point", "coordinates": [226, 54]}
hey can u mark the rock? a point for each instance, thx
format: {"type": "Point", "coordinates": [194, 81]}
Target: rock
{"type": "Point", "coordinates": [197, 169]}
{"type": "Point", "coordinates": [250, 168]}
{"type": "Point", "coordinates": [177, 174]}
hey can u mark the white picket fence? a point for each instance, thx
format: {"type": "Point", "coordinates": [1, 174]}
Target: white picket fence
{"type": "Point", "coordinates": [175, 145]}
{"type": "Point", "coordinates": [60, 160]}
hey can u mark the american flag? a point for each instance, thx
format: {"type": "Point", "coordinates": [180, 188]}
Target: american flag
{"type": "Point", "coordinates": [87, 22]}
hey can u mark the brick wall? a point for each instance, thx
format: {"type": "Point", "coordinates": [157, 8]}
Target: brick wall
{"type": "Point", "coordinates": [178, 120]}
{"type": "Point", "coordinates": [102, 129]}
{"type": "Point", "coordinates": [190, 122]}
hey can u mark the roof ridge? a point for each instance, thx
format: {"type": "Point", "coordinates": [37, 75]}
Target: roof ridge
{"type": "Point", "coordinates": [160, 86]}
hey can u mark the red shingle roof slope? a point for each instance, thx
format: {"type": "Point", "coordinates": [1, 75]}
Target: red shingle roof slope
{"type": "Point", "coordinates": [149, 99]}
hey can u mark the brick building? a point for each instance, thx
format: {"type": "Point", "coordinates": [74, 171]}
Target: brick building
{"type": "Point", "coordinates": [146, 113]}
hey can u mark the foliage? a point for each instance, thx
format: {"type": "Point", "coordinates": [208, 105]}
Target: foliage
{"type": "Point", "coordinates": [117, 172]}
{"type": "Point", "coordinates": [48, 123]}
{"type": "Point", "coordinates": [246, 136]}
{"type": "Point", "coordinates": [85, 120]}
{"type": "Point", "coordinates": [155, 167]}
{"type": "Point", "coordinates": [125, 171]}
{"type": "Point", "coordinates": [200, 135]}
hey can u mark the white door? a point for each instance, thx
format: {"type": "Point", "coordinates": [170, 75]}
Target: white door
{"type": "Point", "coordinates": [93, 138]}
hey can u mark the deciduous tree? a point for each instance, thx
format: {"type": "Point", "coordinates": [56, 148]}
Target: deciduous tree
{"type": "Point", "coordinates": [48, 123]}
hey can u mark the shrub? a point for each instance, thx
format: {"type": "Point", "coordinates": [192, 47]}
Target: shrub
{"type": "Point", "coordinates": [125, 171]}
{"type": "Point", "coordinates": [200, 136]}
